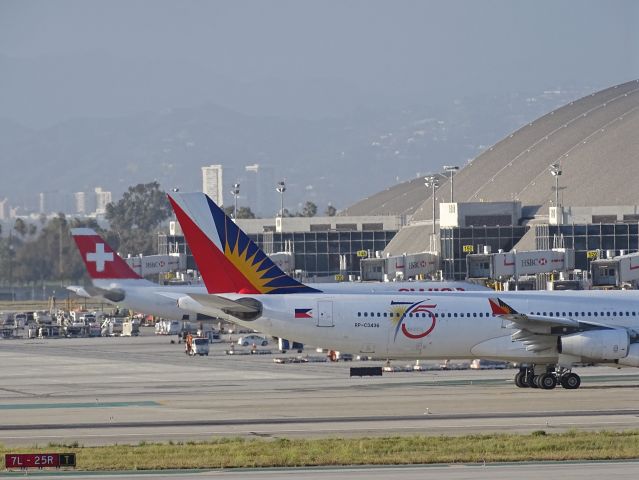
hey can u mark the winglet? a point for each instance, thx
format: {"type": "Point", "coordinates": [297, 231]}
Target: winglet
{"type": "Point", "coordinates": [227, 258]}
{"type": "Point", "coordinates": [499, 307]}
{"type": "Point", "coordinates": [99, 258]}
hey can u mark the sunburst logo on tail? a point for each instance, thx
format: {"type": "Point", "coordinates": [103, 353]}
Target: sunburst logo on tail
{"type": "Point", "coordinates": [257, 268]}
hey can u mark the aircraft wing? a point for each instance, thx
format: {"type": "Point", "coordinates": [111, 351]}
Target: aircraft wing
{"type": "Point", "coordinates": [537, 332]}
{"type": "Point", "coordinates": [538, 323]}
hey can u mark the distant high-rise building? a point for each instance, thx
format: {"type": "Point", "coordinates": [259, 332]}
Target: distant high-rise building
{"type": "Point", "coordinates": [80, 202]}
{"type": "Point", "coordinates": [53, 202]}
{"type": "Point", "coordinates": [102, 199]}
{"type": "Point", "coordinates": [259, 190]}
{"type": "Point", "coordinates": [4, 209]}
{"type": "Point", "coordinates": [212, 183]}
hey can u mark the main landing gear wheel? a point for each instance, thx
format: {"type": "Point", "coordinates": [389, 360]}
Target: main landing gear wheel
{"type": "Point", "coordinates": [570, 381]}
{"type": "Point", "coordinates": [547, 381]}
{"type": "Point", "coordinates": [520, 380]}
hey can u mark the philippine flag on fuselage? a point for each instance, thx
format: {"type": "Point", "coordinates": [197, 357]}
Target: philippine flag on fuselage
{"type": "Point", "coordinates": [303, 313]}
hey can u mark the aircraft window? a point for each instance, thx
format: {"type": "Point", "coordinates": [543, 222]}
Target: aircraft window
{"type": "Point", "coordinates": [614, 314]}
{"type": "Point", "coordinates": [366, 314]}
{"type": "Point", "coordinates": [633, 314]}
{"type": "Point", "coordinates": [544, 314]}
{"type": "Point", "coordinates": [359, 314]}
{"type": "Point", "coordinates": [455, 315]}
{"type": "Point", "coordinates": [481, 314]}
{"type": "Point", "coordinates": [379, 314]}
{"type": "Point", "coordinates": [474, 314]}
{"type": "Point", "coordinates": [595, 314]}
{"type": "Point", "coordinates": [384, 314]}
{"type": "Point", "coordinates": [558, 314]}
{"type": "Point", "coordinates": [589, 314]}
{"type": "Point", "coordinates": [602, 314]}
{"type": "Point", "coordinates": [570, 314]}
{"type": "Point", "coordinates": [627, 314]}
{"type": "Point", "coordinates": [410, 315]}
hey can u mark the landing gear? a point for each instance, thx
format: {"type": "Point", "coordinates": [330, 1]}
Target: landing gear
{"type": "Point", "coordinates": [520, 380]}
{"type": "Point", "coordinates": [548, 379]}
{"type": "Point", "coordinates": [570, 381]}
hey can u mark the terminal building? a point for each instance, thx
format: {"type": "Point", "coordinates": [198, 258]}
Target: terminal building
{"type": "Point", "coordinates": [567, 180]}
{"type": "Point", "coordinates": [312, 248]}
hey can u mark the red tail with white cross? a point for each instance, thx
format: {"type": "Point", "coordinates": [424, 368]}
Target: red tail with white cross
{"type": "Point", "coordinates": [100, 259]}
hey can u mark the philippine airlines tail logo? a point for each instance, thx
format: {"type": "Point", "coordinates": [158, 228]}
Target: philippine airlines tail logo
{"type": "Point", "coordinates": [101, 261]}
{"type": "Point", "coordinates": [499, 307]}
{"type": "Point", "coordinates": [227, 258]}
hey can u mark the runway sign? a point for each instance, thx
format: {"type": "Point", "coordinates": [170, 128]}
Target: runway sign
{"type": "Point", "coordinates": [39, 460]}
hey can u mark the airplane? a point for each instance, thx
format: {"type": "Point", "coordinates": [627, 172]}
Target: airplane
{"type": "Point", "coordinates": [546, 332]}
{"type": "Point", "coordinates": [116, 282]}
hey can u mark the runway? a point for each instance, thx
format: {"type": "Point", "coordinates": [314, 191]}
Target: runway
{"type": "Point", "coordinates": [126, 390]}
{"type": "Point", "coordinates": [506, 471]}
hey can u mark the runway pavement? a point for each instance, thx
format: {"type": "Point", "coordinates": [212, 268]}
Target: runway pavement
{"type": "Point", "coordinates": [126, 390]}
{"type": "Point", "coordinates": [520, 471]}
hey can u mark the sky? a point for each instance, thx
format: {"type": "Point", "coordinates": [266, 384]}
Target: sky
{"type": "Point", "coordinates": [68, 58]}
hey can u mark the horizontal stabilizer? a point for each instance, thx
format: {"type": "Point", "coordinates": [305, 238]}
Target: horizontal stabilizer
{"type": "Point", "coordinates": [226, 304]}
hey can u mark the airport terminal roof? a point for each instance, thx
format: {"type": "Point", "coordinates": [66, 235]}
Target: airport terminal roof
{"type": "Point", "coordinates": [594, 139]}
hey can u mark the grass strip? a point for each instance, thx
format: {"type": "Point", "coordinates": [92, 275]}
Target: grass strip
{"type": "Point", "coordinates": [249, 453]}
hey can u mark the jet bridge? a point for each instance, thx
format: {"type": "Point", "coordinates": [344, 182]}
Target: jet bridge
{"type": "Point", "coordinates": [516, 264]}
{"type": "Point", "coordinates": [155, 264]}
{"type": "Point", "coordinates": [616, 271]}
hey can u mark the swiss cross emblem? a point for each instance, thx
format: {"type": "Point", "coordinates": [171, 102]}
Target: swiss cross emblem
{"type": "Point", "coordinates": [100, 257]}
{"type": "Point", "coordinates": [543, 261]}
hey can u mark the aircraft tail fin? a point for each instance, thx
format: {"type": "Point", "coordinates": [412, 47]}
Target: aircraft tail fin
{"type": "Point", "coordinates": [227, 258]}
{"type": "Point", "coordinates": [499, 307]}
{"type": "Point", "coordinates": [99, 258]}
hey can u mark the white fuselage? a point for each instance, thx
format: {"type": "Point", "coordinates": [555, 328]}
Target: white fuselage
{"type": "Point", "coordinates": [149, 298]}
{"type": "Point", "coordinates": [458, 325]}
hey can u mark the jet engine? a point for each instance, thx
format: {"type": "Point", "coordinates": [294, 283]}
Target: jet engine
{"type": "Point", "coordinates": [610, 344]}
{"type": "Point", "coordinates": [632, 360]}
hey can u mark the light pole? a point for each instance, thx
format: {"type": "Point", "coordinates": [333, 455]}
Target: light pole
{"type": "Point", "coordinates": [555, 171]}
{"type": "Point", "coordinates": [432, 182]}
{"type": "Point", "coordinates": [451, 170]}
{"type": "Point", "coordinates": [281, 188]}
{"type": "Point", "coordinates": [235, 192]}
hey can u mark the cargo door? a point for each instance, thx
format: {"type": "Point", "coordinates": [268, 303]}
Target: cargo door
{"type": "Point", "coordinates": [325, 313]}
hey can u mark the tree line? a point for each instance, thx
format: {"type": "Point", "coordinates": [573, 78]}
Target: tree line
{"type": "Point", "coordinates": [46, 252]}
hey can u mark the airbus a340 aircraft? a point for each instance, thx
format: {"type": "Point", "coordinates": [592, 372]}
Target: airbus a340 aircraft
{"type": "Point", "coordinates": [547, 331]}
{"type": "Point", "coordinates": [115, 281]}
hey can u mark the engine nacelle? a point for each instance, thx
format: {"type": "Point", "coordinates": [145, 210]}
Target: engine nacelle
{"type": "Point", "coordinates": [632, 360]}
{"type": "Point", "coordinates": [597, 344]}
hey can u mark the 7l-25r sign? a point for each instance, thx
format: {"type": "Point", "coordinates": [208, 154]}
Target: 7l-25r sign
{"type": "Point", "coordinates": [39, 460]}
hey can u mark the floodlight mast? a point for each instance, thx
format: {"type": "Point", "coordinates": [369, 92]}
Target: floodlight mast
{"type": "Point", "coordinates": [432, 182]}
{"type": "Point", "coordinates": [281, 188]}
{"type": "Point", "coordinates": [451, 170]}
{"type": "Point", "coordinates": [235, 192]}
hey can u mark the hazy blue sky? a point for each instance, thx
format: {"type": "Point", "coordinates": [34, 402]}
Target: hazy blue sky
{"type": "Point", "coordinates": [68, 58]}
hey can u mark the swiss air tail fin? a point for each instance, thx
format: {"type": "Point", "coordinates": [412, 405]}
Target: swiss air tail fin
{"type": "Point", "coordinates": [101, 261]}
{"type": "Point", "coordinates": [227, 258]}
